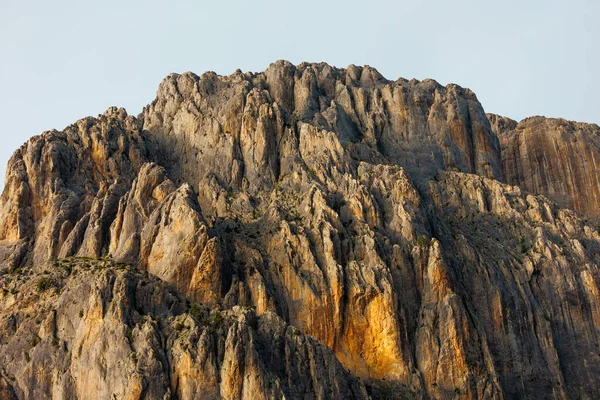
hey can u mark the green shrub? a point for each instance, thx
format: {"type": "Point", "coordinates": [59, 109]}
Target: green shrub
{"type": "Point", "coordinates": [44, 284]}
{"type": "Point", "coordinates": [218, 318]}
{"type": "Point", "coordinates": [15, 271]}
{"type": "Point", "coordinates": [195, 310]}
{"type": "Point", "coordinates": [547, 317]}
{"type": "Point", "coordinates": [422, 241]}
{"type": "Point", "coordinates": [36, 339]}
{"type": "Point", "coordinates": [523, 246]}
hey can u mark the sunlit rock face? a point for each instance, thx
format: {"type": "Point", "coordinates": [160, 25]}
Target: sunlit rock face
{"type": "Point", "coordinates": [554, 157]}
{"type": "Point", "coordinates": [244, 129]}
{"type": "Point", "coordinates": [304, 232]}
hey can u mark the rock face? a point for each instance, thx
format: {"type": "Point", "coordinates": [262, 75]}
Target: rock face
{"type": "Point", "coordinates": [62, 188]}
{"type": "Point", "coordinates": [97, 329]}
{"type": "Point", "coordinates": [553, 157]}
{"type": "Point", "coordinates": [243, 129]}
{"type": "Point", "coordinates": [305, 232]}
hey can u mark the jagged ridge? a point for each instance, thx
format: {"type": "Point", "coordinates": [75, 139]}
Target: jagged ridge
{"type": "Point", "coordinates": [324, 196]}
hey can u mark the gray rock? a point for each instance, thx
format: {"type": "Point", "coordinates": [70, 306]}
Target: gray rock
{"type": "Point", "coordinates": [309, 232]}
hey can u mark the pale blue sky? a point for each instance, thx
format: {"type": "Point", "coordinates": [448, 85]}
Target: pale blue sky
{"type": "Point", "coordinates": [63, 60]}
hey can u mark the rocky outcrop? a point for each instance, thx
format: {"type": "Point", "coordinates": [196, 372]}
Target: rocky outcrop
{"type": "Point", "coordinates": [527, 269]}
{"type": "Point", "coordinates": [501, 124]}
{"type": "Point", "coordinates": [62, 188]}
{"type": "Point", "coordinates": [96, 329]}
{"type": "Point", "coordinates": [162, 230]}
{"type": "Point", "coordinates": [309, 232]}
{"type": "Point", "coordinates": [244, 128]}
{"type": "Point", "coordinates": [554, 157]}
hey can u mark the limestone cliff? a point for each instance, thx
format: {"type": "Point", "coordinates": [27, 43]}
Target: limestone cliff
{"type": "Point", "coordinates": [93, 328]}
{"type": "Point", "coordinates": [304, 232]}
{"type": "Point", "coordinates": [556, 158]}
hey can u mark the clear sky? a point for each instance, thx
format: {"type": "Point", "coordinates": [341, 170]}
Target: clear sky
{"type": "Point", "coordinates": [63, 60]}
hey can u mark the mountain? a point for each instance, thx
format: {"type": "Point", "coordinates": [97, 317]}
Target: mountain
{"type": "Point", "coordinates": [553, 157]}
{"type": "Point", "coordinates": [303, 232]}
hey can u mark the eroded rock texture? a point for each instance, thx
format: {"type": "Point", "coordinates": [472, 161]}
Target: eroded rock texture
{"type": "Point", "coordinates": [353, 232]}
{"type": "Point", "coordinates": [84, 328]}
{"type": "Point", "coordinates": [554, 157]}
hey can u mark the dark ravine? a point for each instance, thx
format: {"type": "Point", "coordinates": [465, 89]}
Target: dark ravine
{"type": "Point", "coordinates": [304, 232]}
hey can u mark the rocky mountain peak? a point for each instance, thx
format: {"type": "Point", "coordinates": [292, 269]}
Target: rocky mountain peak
{"type": "Point", "coordinates": [302, 232]}
{"type": "Point", "coordinates": [442, 127]}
